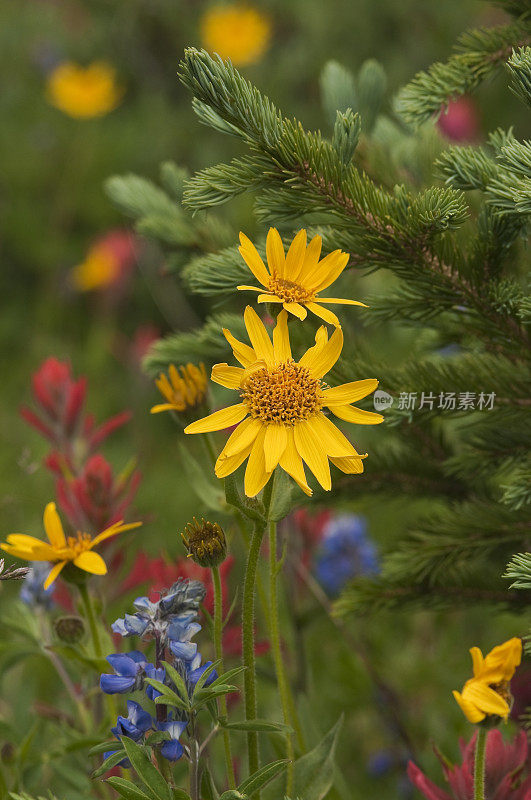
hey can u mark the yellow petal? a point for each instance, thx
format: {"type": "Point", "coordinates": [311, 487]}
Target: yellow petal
{"type": "Point", "coordinates": [312, 452]}
{"type": "Point", "coordinates": [356, 415]}
{"type": "Point", "coordinates": [229, 377]}
{"type": "Point", "coordinates": [256, 475]}
{"type": "Point", "coordinates": [163, 407]}
{"type": "Point", "coordinates": [332, 440]}
{"type": "Point", "coordinates": [164, 387]}
{"type": "Point", "coordinates": [291, 462]}
{"type": "Point", "coordinates": [340, 301]}
{"type": "Point", "coordinates": [275, 442]}
{"type": "Point", "coordinates": [241, 438]}
{"type": "Point", "coordinates": [477, 660]}
{"type": "Point", "coordinates": [323, 313]}
{"type": "Point", "coordinates": [91, 562]}
{"type": "Point", "coordinates": [114, 530]}
{"type": "Point", "coordinates": [328, 270]}
{"type": "Point", "coordinates": [269, 298]}
{"type": "Point", "coordinates": [43, 553]}
{"type": "Point", "coordinates": [349, 392]}
{"type": "Point", "coordinates": [281, 344]}
{"type": "Point", "coordinates": [252, 258]}
{"type": "Point", "coordinates": [276, 260]}
{"type": "Point", "coordinates": [245, 354]}
{"type": "Point", "coordinates": [485, 698]}
{"type": "Point", "coordinates": [296, 309]}
{"type": "Point", "coordinates": [321, 358]}
{"type": "Point", "coordinates": [311, 259]}
{"type": "Point", "coordinates": [350, 466]}
{"type": "Point", "coordinates": [245, 288]}
{"type": "Point", "coordinates": [219, 420]}
{"type": "Point", "coordinates": [54, 572]}
{"type": "Point", "coordinates": [470, 711]}
{"type": "Point", "coordinates": [504, 659]}
{"type": "Point", "coordinates": [226, 465]}
{"type": "Point", "coordinates": [295, 256]}
{"type": "Point", "coordinates": [258, 335]}
{"type": "Point", "coordinates": [53, 527]}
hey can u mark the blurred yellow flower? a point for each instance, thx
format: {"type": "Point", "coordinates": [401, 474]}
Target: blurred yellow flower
{"type": "Point", "coordinates": [280, 417]}
{"type": "Point", "coordinates": [100, 268]}
{"type": "Point", "coordinates": [296, 278]}
{"type": "Point", "coordinates": [77, 550]}
{"type": "Point", "coordinates": [183, 391]}
{"type": "Point", "coordinates": [84, 92]}
{"type": "Point", "coordinates": [488, 693]}
{"type": "Point", "coordinates": [236, 31]}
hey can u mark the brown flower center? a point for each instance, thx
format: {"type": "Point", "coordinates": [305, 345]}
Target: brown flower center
{"type": "Point", "coordinates": [285, 394]}
{"type": "Point", "coordinates": [288, 291]}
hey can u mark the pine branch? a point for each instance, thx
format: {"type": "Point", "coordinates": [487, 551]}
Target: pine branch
{"type": "Point", "coordinates": [519, 69]}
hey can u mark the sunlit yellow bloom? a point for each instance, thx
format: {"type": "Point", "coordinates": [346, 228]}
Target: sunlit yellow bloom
{"type": "Point", "coordinates": [100, 268]}
{"type": "Point", "coordinates": [280, 417]}
{"type": "Point", "coordinates": [487, 693]}
{"type": "Point", "coordinates": [237, 32]}
{"type": "Point", "coordinates": [296, 278]}
{"type": "Point", "coordinates": [183, 391]}
{"type": "Point", "coordinates": [63, 550]}
{"type": "Point", "coordinates": [84, 92]}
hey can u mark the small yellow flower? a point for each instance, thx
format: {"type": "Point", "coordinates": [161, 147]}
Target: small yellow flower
{"type": "Point", "coordinates": [280, 417]}
{"type": "Point", "coordinates": [63, 550]}
{"type": "Point", "coordinates": [487, 693]}
{"type": "Point", "coordinates": [237, 31]}
{"type": "Point", "coordinates": [187, 390]}
{"type": "Point", "coordinates": [296, 278]}
{"type": "Point", "coordinates": [84, 92]}
{"type": "Point", "coordinates": [100, 268]}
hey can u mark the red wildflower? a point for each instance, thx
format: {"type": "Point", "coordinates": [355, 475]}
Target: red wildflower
{"type": "Point", "coordinates": [59, 399]}
{"type": "Point", "coordinates": [507, 774]}
{"type": "Point", "coordinates": [460, 122]}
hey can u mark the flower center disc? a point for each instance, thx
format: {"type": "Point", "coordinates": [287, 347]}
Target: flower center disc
{"type": "Point", "coordinates": [78, 544]}
{"type": "Point", "coordinates": [285, 395]}
{"type": "Point", "coordinates": [288, 291]}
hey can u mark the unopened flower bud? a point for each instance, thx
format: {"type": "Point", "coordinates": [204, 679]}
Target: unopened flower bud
{"type": "Point", "coordinates": [70, 629]}
{"type": "Point", "coordinates": [205, 542]}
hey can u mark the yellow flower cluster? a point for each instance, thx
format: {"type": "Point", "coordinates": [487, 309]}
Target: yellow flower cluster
{"type": "Point", "coordinates": [184, 391]}
{"type": "Point", "coordinates": [84, 92]}
{"type": "Point", "coordinates": [282, 417]}
{"type": "Point", "coordinates": [237, 32]}
{"type": "Point", "coordinates": [487, 694]}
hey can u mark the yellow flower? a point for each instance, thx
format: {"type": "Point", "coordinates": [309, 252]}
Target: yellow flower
{"type": "Point", "coordinates": [84, 92]}
{"type": "Point", "coordinates": [487, 693]}
{"type": "Point", "coordinates": [296, 278]}
{"type": "Point", "coordinates": [280, 417]}
{"type": "Point", "coordinates": [61, 549]}
{"type": "Point", "coordinates": [237, 32]}
{"type": "Point", "coordinates": [99, 269]}
{"type": "Point", "coordinates": [183, 391]}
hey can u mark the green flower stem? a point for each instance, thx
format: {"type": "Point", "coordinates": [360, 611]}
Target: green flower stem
{"type": "Point", "coordinates": [218, 639]}
{"type": "Point", "coordinates": [249, 676]}
{"type": "Point", "coordinates": [479, 765]}
{"type": "Point", "coordinates": [282, 681]}
{"type": "Point", "coordinates": [211, 447]}
{"type": "Point", "coordinates": [90, 616]}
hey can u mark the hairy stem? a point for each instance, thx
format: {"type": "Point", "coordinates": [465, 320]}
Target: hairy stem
{"type": "Point", "coordinates": [479, 765]}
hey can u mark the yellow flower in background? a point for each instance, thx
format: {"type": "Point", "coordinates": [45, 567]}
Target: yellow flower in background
{"type": "Point", "coordinates": [488, 693]}
{"type": "Point", "coordinates": [183, 391]}
{"type": "Point", "coordinates": [63, 550]}
{"type": "Point", "coordinates": [237, 31]}
{"type": "Point", "coordinates": [296, 278]}
{"type": "Point", "coordinates": [100, 268]}
{"type": "Point", "coordinates": [84, 92]}
{"type": "Point", "coordinates": [280, 417]}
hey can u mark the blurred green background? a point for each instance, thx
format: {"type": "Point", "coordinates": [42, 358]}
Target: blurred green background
{"type": "Point", "coordinates": [53, 206]}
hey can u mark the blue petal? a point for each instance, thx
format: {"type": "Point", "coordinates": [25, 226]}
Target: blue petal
{"type": "Point", "coordinates": [140, 718]}
{"type": "Point", "coordinates": [172, 750]}
{"type": "Point", "coordinates": [135, 624]}
{"type": "Point", "coordinates": [119, 627]}
{"type": "Point", "coordinates": [123, 665]}
{"type": "Point", "coordinates": [116, 684]}
{"type": "Point", "coordinates": [186, 651]}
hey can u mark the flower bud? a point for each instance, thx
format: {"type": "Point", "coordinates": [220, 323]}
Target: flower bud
{"type": "Point", "coordinates": [69, 629]}
{"type": "Point", "coordinates": [205, 542]}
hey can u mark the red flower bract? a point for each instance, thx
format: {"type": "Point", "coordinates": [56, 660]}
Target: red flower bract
{"type": "Point", "coordinates": [507, 773]}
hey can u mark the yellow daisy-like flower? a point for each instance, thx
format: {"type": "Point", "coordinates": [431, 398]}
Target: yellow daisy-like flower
{"type": "Point", "coordinates": [487, 693]}
{"type": "Point", "coordinates": [238, 32]}
{"type": "Point", "coordinates": [63, 550]}
{"type": "Point", "coordinates": [84, 92]}
{"type": "Point", "coordinates": [183, 391]}
{"type": "Point", "coordinates": [280, 417]}
{"type": "Point", "coordinates": [296, 278]}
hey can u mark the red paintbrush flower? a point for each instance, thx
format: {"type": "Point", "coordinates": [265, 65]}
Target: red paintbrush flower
{"type": "Point", "coordinates": [507, 774]}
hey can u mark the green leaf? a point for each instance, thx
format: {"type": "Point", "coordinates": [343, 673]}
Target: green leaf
{"type": "Point", "coordinates": [177, 679]}
{"type": "Point", "coordinates": [102, 747]}
{"type": "Point", "coordinates": [263, 776]}
{"type": "Point", "coordinates": [137, 196]}
{"type": "Point", "coordinates": [126, 789]}
{"type": "Point", "coordinates": [168, 697]}
{"type": "Point", "coordinates": [234, 498]}
{"type": "Point", "coordinates": [204, 695]}
{"type": "Point", "coordinates": [204, 677]}
{"type": "Point", "coordinates": [337, 89]}
{"type": "Point", "coordinates": [258, 725]}
{"type": "Point", "coordinates": [227, 676]}
{"type": "Point", "coordinates": [314, 772]}
{"type": "Point", "coordinates": [180, 794]}
{"type": "Point", "coordinates": [208, 787]}
{"type": "Point", "coordinates": [206, 491]}
{"type": "Point", "coordinates": [233, 794]}
{"type": "Point", "coordinates": [281, 501]}
{"type": "Point", "coordinates": [109, 762]}
{"type": "Point", "coordinates": [155, 784]}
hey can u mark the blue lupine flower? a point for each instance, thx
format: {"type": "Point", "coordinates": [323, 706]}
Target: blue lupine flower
{"type": "Point", "coordinates": [33, 592]}
{"type": "Point", "coordinates": [195, 673]}
{"type": "Point", "coordinates": [172, 749]}
{"type": "Point", "coordinates": [157, 674]}
{"type": "Point", "coordinates": [135, 725]}
{"type": "Point", "coordinates": [128, 668]}
{"type": "Point", "coordinates": [346, 551]}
